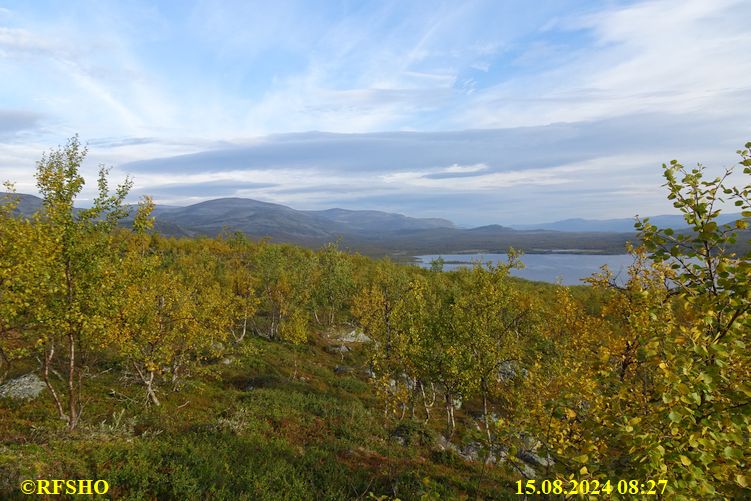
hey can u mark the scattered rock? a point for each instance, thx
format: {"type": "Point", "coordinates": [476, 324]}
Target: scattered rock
{"type": "Point", "coordinates": [535, 460]}
{"type": "Point", "coordinates": [526, 470]}
{"type": "Point", "coordinates": [343, 369]}
{"type": "Point", "coordinates": [228, 361]}
{"type": "Point", "coordinates": [510, 370]}
{"type": "Point", "coordinates": [356, 336]}
{"type": "Point", "coordinates": [457, 403]}
{"type": "Point", "coordinates": [369, 373]}
{"type": "Point", "coordinates": [471, 451]}
{"type": "Point", "coordinates": [479, 420]}
{"type": "Point", "coordinates": [529, 443]}
{"type": "Point", "coordinates": [444, 444]}
{"type": "Point", "coordinates": [338, 349]}
{"type": "Point", "coordinates": [474, 451]}
{"type": "Point", "coordinates": [26, 387]}
{"type": "Point", "coordinates": [408, 382]}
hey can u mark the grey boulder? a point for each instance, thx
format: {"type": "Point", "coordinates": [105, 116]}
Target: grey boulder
{"type": "Point", "coordinates": [26, 387]}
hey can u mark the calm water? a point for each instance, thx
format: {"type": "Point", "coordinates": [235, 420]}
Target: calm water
{"type": "Point", "coordinates": [568, 268]}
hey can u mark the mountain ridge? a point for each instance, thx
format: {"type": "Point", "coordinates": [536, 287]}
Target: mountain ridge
{"type": "Point", "coordinates": [369, 232]}
{"type": "Point", "coordinates": [616, 225]}
{"type": "Point", "coordinates": [383, 233]}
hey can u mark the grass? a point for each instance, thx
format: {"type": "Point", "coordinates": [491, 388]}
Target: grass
{"type": "Point", "coordinates": [277, 423]}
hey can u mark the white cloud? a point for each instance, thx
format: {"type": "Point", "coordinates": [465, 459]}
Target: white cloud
{"type": "Point", "coordinates": [665, 79]}
{"type": "Point", "coordinates": [456, 168]}
{"type": "Point", "coordinates": [672, 56]}
{"type": "Point", "coordinates": [14, 40]}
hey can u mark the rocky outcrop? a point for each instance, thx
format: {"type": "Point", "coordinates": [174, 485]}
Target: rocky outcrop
{"type": "Point", "coordinates": [528, 462]}
{"type": "Point", "coordinates": [355, 336]}
{"type": "Point", "coordinates": [337, 349]}
{"type": "Point", "coordinates": [474, 451]}
{"type": "Point", "coordinates": [525, 470]}
{"type": "Point", "coordinates": [444, 444]}
{"type": "Point", "coordinates": [26, 387]}
{"type": "Point", "coordinates": [536, 460]}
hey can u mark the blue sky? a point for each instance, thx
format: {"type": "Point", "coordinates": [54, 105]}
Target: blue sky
{"type": "Point", "coordinates": [478, 111]}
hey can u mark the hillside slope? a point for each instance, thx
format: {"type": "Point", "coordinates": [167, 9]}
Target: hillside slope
{"type": "Point", "coordinates": [269, 421]}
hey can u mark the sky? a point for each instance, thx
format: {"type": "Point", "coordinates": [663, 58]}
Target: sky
{"type": "Point", "coordinates": [482, 112]}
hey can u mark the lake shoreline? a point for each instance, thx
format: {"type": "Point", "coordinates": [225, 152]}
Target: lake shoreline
{"type": "Point", "coordinates": [565, 268]}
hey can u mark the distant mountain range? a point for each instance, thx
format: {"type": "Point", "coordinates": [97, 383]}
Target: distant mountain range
{"type": "Point", "coordinates": [27, 204]}
{"type": "Point", "coordinates": [376, 233]}
{"type": "Point", "coordinates": [616, 225]}
{"type": "Point", "coordinates": [262, 219]}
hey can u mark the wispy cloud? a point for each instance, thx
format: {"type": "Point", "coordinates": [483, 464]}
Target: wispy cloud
{"type": "Point", "coordinates": [669, 56]}
{"type": "Point", "coordinates": [609, 167]}
{"type": "Point", "coordinates": [487, 111]}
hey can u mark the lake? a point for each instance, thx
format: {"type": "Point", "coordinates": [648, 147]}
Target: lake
{"type": "Point", "coordinates": [568, 268]}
